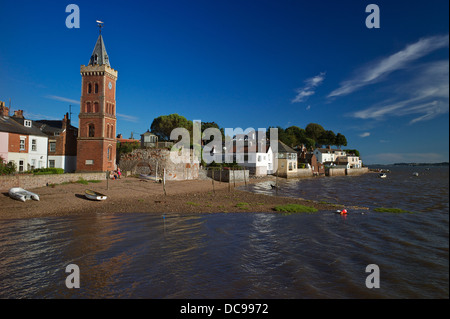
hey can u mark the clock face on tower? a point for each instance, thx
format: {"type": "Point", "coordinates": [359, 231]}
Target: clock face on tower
{"type": "Point", "coordinates": [110, 85]}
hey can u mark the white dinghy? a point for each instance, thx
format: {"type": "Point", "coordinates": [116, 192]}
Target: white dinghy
{"type": "Point", "coordinates": [22, 194]}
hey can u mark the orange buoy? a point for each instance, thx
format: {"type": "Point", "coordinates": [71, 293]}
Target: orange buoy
{"type": "Point", "coordinates": [343, 212]}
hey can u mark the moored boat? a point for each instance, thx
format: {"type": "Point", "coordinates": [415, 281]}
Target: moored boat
{"type": "Point", "coordinates": [22, 194]}
{"type": "Point", "coordinates": [383, 175]}
{"type": "Point", "coordinates": [94, 195]}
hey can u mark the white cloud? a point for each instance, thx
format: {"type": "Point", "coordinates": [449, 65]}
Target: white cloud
{"type": "Point", "coordinates": [62, 99]}
{"type": "Point", "coordinates": [425, 95]}
{"type": "Point", "coordinates": [376, 71]}
{"type": "Point", "coordinates": [37, 116]}
{"type": "Point", "coordinates": [365, 134]}
{"type": "Point", "coordinates": [128, 118]}
{"type": "Point", "coordinates": [308, 89]}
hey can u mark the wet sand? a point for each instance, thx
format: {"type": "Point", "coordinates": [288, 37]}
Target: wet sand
{"type": "Point", "coordinates": [132, 195]}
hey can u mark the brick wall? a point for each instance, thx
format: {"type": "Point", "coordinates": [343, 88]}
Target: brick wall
{"type": "Point", "coordinates": [34, 181]}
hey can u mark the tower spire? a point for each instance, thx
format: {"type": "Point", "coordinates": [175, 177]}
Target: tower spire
{"type": "Point", "coordinates": [99, 55]}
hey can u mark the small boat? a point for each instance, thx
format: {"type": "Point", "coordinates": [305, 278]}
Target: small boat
{"type": "Point", "coordinates": [22, 194]}
{"type": "Point", "coordinates": [415, 174]}
{"type": "Point", "coordinates": [383, 175]}
{"type": "Point", "coordinates": [94, 195]}
{"type": "Point", "coordinates": [150, 178]}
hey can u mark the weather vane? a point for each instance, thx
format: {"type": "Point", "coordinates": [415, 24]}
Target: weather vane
{"type": "Point", "coordinates": [100, 25]}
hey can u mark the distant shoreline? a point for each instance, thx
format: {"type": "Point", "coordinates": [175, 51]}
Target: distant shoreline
{"type": "Point", "coordinates": [411, 164]}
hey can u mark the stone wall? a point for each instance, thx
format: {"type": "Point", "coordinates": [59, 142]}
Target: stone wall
{"type": "Point", "coordinates": [357, 171]}
{"type": "Point", "coordinates": [304, 172]}
{"type": "Point", "coordinates": [35, 181]}
{"type": "Point", "coordinates": [154, 160]}
{"type": "Point", "coordinates": [335, 172]}
{"type": "Point", "coordinates": [228, 176]}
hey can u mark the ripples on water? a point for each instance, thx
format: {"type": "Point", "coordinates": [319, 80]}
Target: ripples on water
{"type": "Point", "coordinates": [243, 255]}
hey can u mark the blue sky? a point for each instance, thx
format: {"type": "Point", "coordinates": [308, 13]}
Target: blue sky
{"type": "Point", "coordinates": [245, 64]}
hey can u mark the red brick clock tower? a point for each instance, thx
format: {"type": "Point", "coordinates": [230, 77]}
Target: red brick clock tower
{"type": "Point", "coordinates": [96, 144]}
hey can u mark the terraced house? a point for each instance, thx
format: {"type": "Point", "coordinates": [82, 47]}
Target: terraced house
{"type": "Point", "coordinates": [22, 142]}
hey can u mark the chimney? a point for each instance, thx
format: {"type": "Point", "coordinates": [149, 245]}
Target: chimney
{"type": "Point", "coordinates": [65, 121]}
{"type": "Point", "coordinates": [119, 136]}
{"type": "Point", "coordinates": [4, 110]}
{"type": "Point", "coordinates": [329, 147]}
{"type": "Point", "coordinates": [18, 114]}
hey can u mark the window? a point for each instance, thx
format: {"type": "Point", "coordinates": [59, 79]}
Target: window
{"type": "Point", "coordinates": [52, 146]}
{"type": "Point", "coordinates": [22, 144]}
{"type": "Point", "coordinates": [33, 145]}
{"type": "Point", "coordinates": [89, 88]}
{"type": "Point", "coordinates": [109, 154]}
{"type": "Point", "coordinates": [91, 130]}
{"type": "Point", "coordinates": [290, 166]}
{"type": "Point", "coordinates": [259, 158]}
{"type": "Point", "coordinates": [27, 123]}
{"type": "Point", "coordinates": [88, 107]}
{"type": "Point", "coordinates": [96, 88]}
{"type": "Point", "coordinates": [96, 109]}
{"type": "Point", "coordinates": [21, 166]}
{"type": "Point", "coordinates": [51, 163]}
{"type": "Point", "coordinates": [33, 164]}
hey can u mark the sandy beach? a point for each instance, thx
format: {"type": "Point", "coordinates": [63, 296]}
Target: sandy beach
{"type": "Point", "coordinates": [132, 195]}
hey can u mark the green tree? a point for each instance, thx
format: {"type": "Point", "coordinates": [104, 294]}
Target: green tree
{"type": "Point", "coordinates": [314, 131]}
{"type": "Point", "coordinates": [163, 125]}
{"type": "Point", "coordinates": [327, 138]}
{"type": "Point", "coordinates": [340, 140]}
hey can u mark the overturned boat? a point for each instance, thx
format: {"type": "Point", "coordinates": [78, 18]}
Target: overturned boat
{"type": "Point", "coordinates": [22, 194]}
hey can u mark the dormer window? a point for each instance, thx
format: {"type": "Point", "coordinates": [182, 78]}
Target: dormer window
{"type": "Point", "coordinates": [27, 123]}
{"type": "Point", "coordinates": [95, 59]}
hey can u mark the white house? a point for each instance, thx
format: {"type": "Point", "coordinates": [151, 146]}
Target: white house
{"type": "Point", "coordinates": [328, 154]}
{"type": "Point", "coordinates": [27, 145]}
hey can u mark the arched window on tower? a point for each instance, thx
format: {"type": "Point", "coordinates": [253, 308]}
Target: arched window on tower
{"type": "Point", "coordinates": [112, 131]}
{"type": "Point", "coordinates": [88, 107]}
{"type": "Point", "coordinates": [109, 153]}
{"type": "Point", "coordinates": [96, 88]}
{"type": "Point", "coordinates": [89, 88]}
{"type": "Point", "coordinates": [95, 107]}
{"type": "Point", "coordinates": [91, 130]}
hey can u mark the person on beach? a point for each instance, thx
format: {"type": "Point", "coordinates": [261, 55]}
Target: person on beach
{"type": "Point", "coordinates": [119, 173]}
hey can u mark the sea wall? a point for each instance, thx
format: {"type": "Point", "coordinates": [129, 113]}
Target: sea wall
{"type": "Point", "coordinates": [29, 181]}
{"type": "Point", "coordinates": [357, 171]}
{"type": "Point", "coordinates": [228, 176]}
{"type": "Point", "coordinates": [154, 160]}
{"type": "Point", "coordinates": [303, 172]}
{"type": "Point", "coordinates": [335, 172]}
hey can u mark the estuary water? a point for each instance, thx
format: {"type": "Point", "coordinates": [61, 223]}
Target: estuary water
{"type": "Point", "coordinates": [245, 255]}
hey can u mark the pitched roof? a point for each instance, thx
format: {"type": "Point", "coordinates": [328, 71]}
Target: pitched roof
{"type": "Point", "coordinates": [10, 125]}
{"type": "Point", "coordinates": [99, 55]}
{"type": "Point", "coordinates": [283, 148]}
